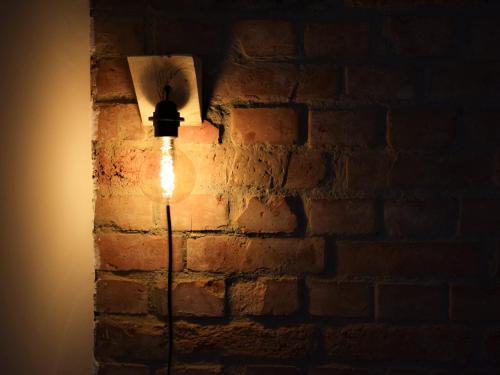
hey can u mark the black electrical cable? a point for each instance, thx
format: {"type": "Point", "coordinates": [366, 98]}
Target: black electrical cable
{"type": "Point", "coordinates": [169, 293]}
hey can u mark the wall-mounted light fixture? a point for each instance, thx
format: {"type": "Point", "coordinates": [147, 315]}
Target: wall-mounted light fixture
{"type": "Point", "coordinates": [167, 90]}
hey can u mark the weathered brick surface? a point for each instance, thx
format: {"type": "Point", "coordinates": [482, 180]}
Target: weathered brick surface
{"type": "Point", "coordinates": [421, 218]}
{"type": "Point", "coordinates": [408, 259]}
{"type": "Point", "coordinates": [344, 128]}
{"type": "Point", "coordinates": [266, 38]}
{"type": "Point", "coordinates": [473, 302]}
{"type": "Point", "coordinates": [121, 295]}
{"type": "Point", "coordinates": [457, 172]}
{"type": "Point", "coordinates": [306, 169]}
{"type": "Point", "coordinates": [259, 168]}
{"type": "Point", "coordinates": [199, 38]}
{"type": "Point", "coordinates": [122, 369]}
{"type": "Point", "coordinates": [192, 370]}
{"type": "Point", "coordinates": [272, 216]}
{"type": "Point", "coordinates": [118, 36]}
{"type": "Point", "coordinates": [368, 171]}
{"type": "Point", "coordinates": [441, 343]}
{"type": "Point", "coordinates": [271, 370]}
{"type": "Point", "coordinates": [119, 121]}
{"type": "Point", "coordinates": [399, 302]}
{"type": "Point", "coordinates": [246, 339]}
{"type": "Point", "coordinates": [491, 345]}
{"type": "Point", "coordinates": [336, 211]}
{"type": "Point", "coordinates": [126, 212]}
{"type": "Point", "coordinates": [465, 81]}
{"type": "Point", "coordinates": [318, 82]}
{"type": "Point", "coordinates": [127, 252]}
{"type": "Point", "coordinates": [346, 217]}
{"type": "Point", "coordinates": [339, 40]}
{"type": "Point", "coordinates": [113, 80]}
{"type": "Point", "coordinates": [339, 299]}
{"type": "Point", "coordinates": [419, 35]}
{"type": "Point", "coordinates": [264, 297]}
{"type": "Point", "coordinates": [205, 133]}
{"type": "Point", "coordinates": [480, 216]}
{"type": "Point", "coordinates": [264, 125]}
{"type": "Point", "coordinates": [381, 82]}
{"type": "Point", "coordinates": [265, 81]}
{"type": "Point", "coordinates": [130, 339]}
{"type": "Point", "coordinates": [338, 370]}
{"type": "Point", "coordinates": [200, 297]}
{"type": "Point", "coordinates": [237, 254]}
{"type": "Point", "coordinates": [415, 128]}
{"type": "Point", "coordinates": [198, 212]}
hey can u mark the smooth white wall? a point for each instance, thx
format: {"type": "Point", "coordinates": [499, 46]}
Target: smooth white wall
{"type": "Point", "coordinates": [47, 257]}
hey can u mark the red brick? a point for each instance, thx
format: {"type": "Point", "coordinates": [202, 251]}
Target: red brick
{"type": "Point", "coordinates": [200, 297]}
{"type": "Point", "coordinates": [491, 345]}
{"type": "Point", "coordinates": [188, 36]}
{"type": "Point", "coordinates": [121, 295]}
{"type": "Point", "coordinates": [417, 128]}
{"type": "Point", "coordinates": [238, 254]}
{"type": "Point", "coordinates": [406, 371]}
{"type": "Point", "coordinates": [482, 35]}
{"type": "Point", "coordinates": [122, 369]}
{"type": "Point", "coordinates": [264, 297]}
{"type": "Point", "coordinates": [200, 168]}
{"type": "Point", "coordinates": [127, 252]}
{"type": "Point", "coordinates": [205, 133]}
{"type": "Point", "coordinates": [339, 299]}
{"type": "Point", "coordinates": [133, 339]}
{"type": "Point", "coordinates": [118, 36]}
{"type": "Point", "coordinates": [271, 216]}
{"type": "Point", "coordinates": [430, 171]}
{"type": "Point", "coordinates": [472, 80]}
{"type": "Point", "coordinates": [306, 170]}
{"type": "Point", "coordinates": [474, 302]}
{"type": "Point", "coordinates": [378, 342]}
{"type": "Point", "coordinates": [257, 81]}
{"type": "Point", "coordinates": [257, 169]}
{"type": "Point", "coordinates": [344, 217]}
{"type": "Point", "coordinates": [337, 370]}
{"type": "Point", "coordinates": [339, 40]}
{"type": "Point", "coordinates": [198, 212]}
{"type": "Point", "coordinates": [113, 80]}
{"type": "Point", "coordinates": [344, 128]}
{"type": "Point", "coordinates": [266, 38]}
{"type": "Point", "coordinates": [408, 259]}
{"type": "Point", "coordinates": [431, 218]}
{"type": "Point", "coordinates": [480, 216]}
{"type": "Point", "coordinates": [380, 82]}
{"type": "Point", "coordinates": [122, 167]}
{"type": "Point", "coordinates": [368, 171]}
{"type": "Point", "coordinates": [135, 5]}
{"type": "Point", "coordinates": [271, 370]}
{"type": "Point", "coordinates": [317, 82]}
{"type": "Point", "coordinates": [482, 126]}
{"type": "Point", "coordinates": [180, 369]}
{"type": "Point", "coordinates": [419, 35]}
{"type": "Point", "coordinates": [411, 302]}
{"type": "Point", "coordinates": [246, 339]}
{"type": "Point", "coordinates": [126, 212]}
{"type": "Point", "coordinates": [119, 121]}
{"type": "Point", "coordinates": [407, 3]}
{"type": "Point", "coordinates": [264, 125]}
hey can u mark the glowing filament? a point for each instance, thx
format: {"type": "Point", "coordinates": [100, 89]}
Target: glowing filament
{"type": "Point", "coordinates": [167, 175]}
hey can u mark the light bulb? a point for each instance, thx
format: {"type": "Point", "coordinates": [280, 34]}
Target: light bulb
{"type": "Point", "coordinates": [168, 175]}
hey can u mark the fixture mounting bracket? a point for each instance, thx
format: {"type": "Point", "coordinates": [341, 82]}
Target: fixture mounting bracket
{"type": "Point", "coordinates": [150, 75]}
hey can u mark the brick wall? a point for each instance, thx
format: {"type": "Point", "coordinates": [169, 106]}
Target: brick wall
{"type": "Point", "coordinates": [345, 217]}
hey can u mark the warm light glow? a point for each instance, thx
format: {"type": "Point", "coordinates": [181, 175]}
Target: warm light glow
{"type": "Point", "coordinates": [167, 175]}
